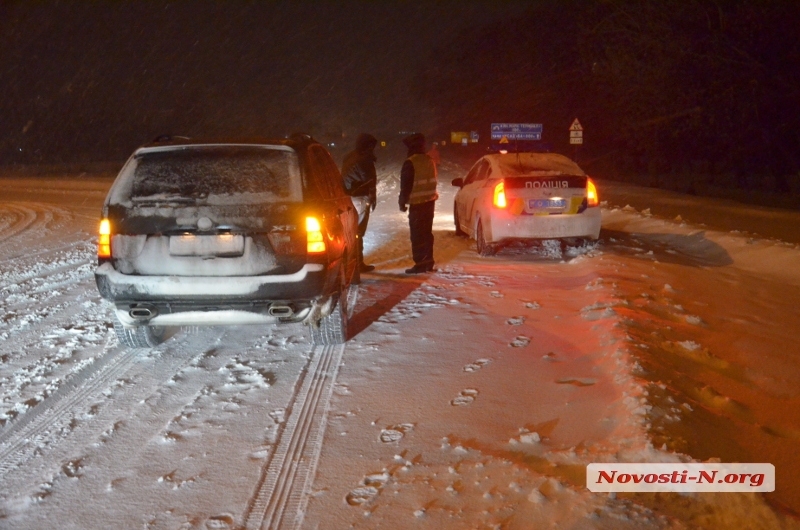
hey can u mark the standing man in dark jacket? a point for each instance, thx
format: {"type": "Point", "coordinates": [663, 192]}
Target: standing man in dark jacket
{"type": "Point", "coordinates": [360, 181]}
{"type": "Point", "coordinates": [418, 190]}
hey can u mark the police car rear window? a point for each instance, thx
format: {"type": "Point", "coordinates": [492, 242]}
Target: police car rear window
{"type": "Point", "coordinates": [216, 175]}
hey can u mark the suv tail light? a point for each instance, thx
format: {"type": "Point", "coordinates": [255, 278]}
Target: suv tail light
{"type": "Point", "coordinates": [591, 193]}
{"type": "Point", "coordinates": [315, 241]}
{"type": "Point", "coordinates": [104, 239]}
{"type": "Point", "coordinates": [500, 195]}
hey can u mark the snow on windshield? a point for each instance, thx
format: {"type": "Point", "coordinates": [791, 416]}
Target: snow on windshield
{"type": "Point", "coordinates": [212, 175]}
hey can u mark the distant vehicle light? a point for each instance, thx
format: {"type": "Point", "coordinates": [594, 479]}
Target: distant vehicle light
{"type": "Point", "coordinates": [104, 239]}
{"type": "Point", "coordinates": [591, 193]}
{"type": "Point", "coordinates": [503, 151]}
{"type": "Point", "coordinates": [316, 243]}
{"type": "Point", "coordinates": [500, 195]}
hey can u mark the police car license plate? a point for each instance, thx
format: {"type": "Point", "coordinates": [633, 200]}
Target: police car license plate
{"type": "Point", "coordinates": [217, 245]}
{"type": "Point", "coordinates": [538, 204]}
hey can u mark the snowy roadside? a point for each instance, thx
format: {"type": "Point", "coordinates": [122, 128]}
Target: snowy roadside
{"type": "Point", "coordinates": [471, 397]}
{"type": "Point", "coordinates": [544, 347]}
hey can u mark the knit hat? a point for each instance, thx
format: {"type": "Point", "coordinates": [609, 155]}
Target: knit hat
{"type": "Point", "coordinates": [415, 140]}
{"type": "Point", "coordinates": [366, 142]}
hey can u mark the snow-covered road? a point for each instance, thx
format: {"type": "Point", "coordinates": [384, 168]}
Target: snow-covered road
{"type": "Point", "coordinates": [473, 397]}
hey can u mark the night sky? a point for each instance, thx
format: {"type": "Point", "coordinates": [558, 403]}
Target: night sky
{"type": "Point", "coordinates": [91, 81]}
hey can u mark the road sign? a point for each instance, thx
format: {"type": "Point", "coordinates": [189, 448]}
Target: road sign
{"type": "Point", "coordinates": [516, 131]}
{"type": "Point", "coordinates": [473, 137]}
{"type": "Point", "coordinates": [457, 136]}
{"type": "Point", "coordinates": [576, 140]}
{"type": "Point", "coordinates": [576, 134]}
{"type": "Point", "coordinates": [576, 126]}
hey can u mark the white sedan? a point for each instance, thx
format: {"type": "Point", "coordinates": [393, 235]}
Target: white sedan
{"type": "Point", "coordinates": [525, 196]}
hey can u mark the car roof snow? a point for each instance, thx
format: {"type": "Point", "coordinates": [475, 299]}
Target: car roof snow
{"type": "Point", "coordinates": [527, 163]}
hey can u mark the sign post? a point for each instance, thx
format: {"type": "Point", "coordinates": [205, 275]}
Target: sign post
{"type": "Point", "coordinates": [576, 136]}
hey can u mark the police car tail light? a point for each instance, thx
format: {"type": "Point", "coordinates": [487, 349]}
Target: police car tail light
{"type": "Point", "coordinates": [104, 239]}
{"type": "Point", "coordinates": [500, 195]}
{"type": "Point", "coordinates": [314, 239]}
{"type": "Point", "coordinates": [591, 193]}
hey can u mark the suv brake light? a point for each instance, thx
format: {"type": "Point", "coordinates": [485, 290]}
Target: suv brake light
{"type": "Point", "coordinates": [316, 243]}
{"type": "Point", "coordinates": [591, 193]}
{"type": "Point", "coordinates": [104, 239]}
{"type": "Point", "coordinates": [500, 195]}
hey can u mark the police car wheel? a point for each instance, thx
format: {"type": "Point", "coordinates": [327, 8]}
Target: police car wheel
{"type": "Point", "coordinates": [459, 232]}
{"type": "Point", "coordinates": [484, 248]}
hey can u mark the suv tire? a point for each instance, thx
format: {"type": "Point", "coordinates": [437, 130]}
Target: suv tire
{"type": "Point", "coordinates": [139, 336]}
{"type": "Point", "coordinates": [332, 329]}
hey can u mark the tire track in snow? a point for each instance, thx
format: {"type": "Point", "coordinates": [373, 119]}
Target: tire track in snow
{"type": "Point", "coordinates": [14, 220]}
{"type": "Point", "coordinates": [35, 428]}
{"type": "Point", "coordinates": [31, 253]}
{"type": "Point", "coordinates": [40, 440]}
{"type": "Point", "coordinates": [30, 266]}
{"type": "Point", "coordinates": [20, 220]}
{"type": "Point", "coordinates": [30, 296]}
{"type": "Point", "coordinates": [281, 498]}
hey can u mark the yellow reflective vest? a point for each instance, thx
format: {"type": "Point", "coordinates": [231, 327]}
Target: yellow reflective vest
{"type": "Point", "coordinates": [424, 189]}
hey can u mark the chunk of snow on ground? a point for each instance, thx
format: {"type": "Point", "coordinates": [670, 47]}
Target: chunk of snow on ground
{"type": "Point", "coordinates": [530, 438]}
{"type": "Point", "coordinates": [520, 342]}
{"type": "Point", "coordinates": [689, 345]}
{"type": "Point", "coordinates": [695, 320]}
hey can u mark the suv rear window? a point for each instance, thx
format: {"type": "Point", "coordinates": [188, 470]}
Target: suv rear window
{"type": "Point", "coordinates": [215, 175]}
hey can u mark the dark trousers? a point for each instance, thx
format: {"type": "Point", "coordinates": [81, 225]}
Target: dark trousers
{"type": "Point", "coordinates": [362, 229]}
{"type": "Point", "coordinates": [420, 221]}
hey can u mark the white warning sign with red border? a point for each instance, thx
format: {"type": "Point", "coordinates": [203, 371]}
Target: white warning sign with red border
{"type": "Point", "coordinates": [576, 132]}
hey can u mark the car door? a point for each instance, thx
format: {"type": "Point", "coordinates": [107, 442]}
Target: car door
{"type": "Point", "coordinates": [340, 217]}
{"type": "Point", "coordinates": [473, 190]}
{"type": "Point", "coordinates": [463, 201]}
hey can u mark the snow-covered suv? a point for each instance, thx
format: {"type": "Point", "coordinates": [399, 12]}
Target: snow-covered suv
{"type": "Point", "coordinates": [232, 232]}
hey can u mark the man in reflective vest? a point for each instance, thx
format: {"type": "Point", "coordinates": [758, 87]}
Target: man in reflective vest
{"type": "Point", "coordinates": [418, 191]}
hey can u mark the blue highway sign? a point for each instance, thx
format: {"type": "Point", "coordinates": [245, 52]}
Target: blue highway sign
{"type": "Point", "coordinates": [517, 131]}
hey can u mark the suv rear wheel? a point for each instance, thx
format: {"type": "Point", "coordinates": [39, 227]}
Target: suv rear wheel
{"type": "Point", "coordinates": [332, 329]}
{"type": "Point", "coordinates": [139, 336]}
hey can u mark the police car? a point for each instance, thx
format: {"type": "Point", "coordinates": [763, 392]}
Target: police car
{"type": "Point", "coordinates": [525, 196]}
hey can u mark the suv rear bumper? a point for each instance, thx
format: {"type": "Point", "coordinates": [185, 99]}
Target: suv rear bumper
{"type": "Point", "coordinates": [114, 285]}
{"type": "Point", "coordinates": [189, 300]}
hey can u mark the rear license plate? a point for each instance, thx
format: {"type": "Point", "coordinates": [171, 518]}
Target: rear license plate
{"type": "Point", "coordinates": [538, 204]}
{"type": "Point", "coordinates": [218, 245]}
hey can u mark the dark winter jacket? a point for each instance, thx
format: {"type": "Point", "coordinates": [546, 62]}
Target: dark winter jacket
{"type": "Point", "coordinates": [358, 169]}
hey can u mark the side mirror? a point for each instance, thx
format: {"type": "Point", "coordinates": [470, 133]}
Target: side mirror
{"type": "Point", "coordinates": [458, 182]}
